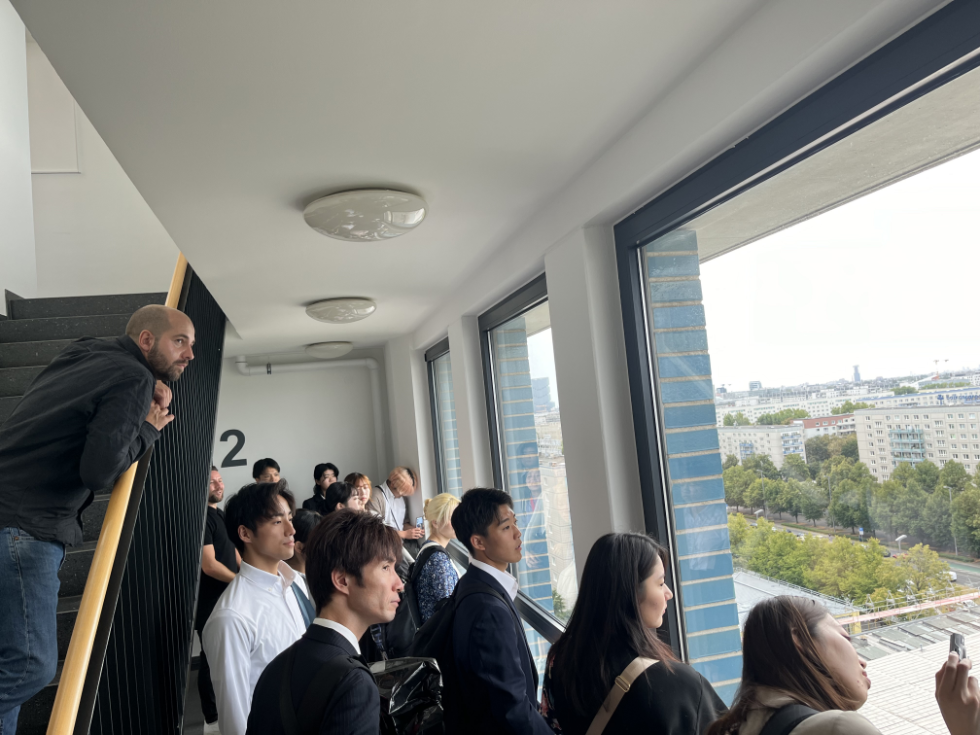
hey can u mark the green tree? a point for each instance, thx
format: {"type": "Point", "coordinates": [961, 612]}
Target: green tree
{"type": "Point", "coordinates": [761, 463]}
{"type": "Point", "coordinates": [730, 461]}
{"type": "Point", "coordinates": [849, 447]}
{"type": "Point", "coordinates": [737, 480]}
{"type": "Point", "coordinates": [737, 419]}
{"type": "Point", "coordinates": [817, 450]}
{"type": "Point", "coordinates": [849, 407]}
{"type": "Point", "coordinates": [786, 416]}
{"type": "Point", "coordinates": [814, 501]}
{"type": "Point", "coordinates": [755, 494]}
{"type": "Point", "coordinates": [954, 476]}
{"type": "Point", "coordinates": [830, 573]}
{"type": "Point", "coordinates": [738, 532]}
{"type": "Point", "coordinates": [923, 570]}
{"type": "Point", "coordinates": [904, 390]}
{"type": "Point", "coordinates": [937, 521]}
{"type": "Point", "coordinates": [966, 519]}
{"type": "Point", "coordinates": [794, 468]}
{"type": "Point", "coordinates": [927, 475]}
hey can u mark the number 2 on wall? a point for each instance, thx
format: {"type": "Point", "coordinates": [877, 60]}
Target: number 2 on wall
{"type": "Point", "coordinates": [229, 460]}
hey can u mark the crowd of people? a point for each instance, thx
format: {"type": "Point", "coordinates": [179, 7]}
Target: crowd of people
{"type": "Point", "coordinates": [293, 601]}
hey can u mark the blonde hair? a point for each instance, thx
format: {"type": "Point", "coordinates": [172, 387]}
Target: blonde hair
{"type": "Point", "coordinates": [440, 508]}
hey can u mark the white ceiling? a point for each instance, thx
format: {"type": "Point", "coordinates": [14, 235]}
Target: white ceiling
{"type": "Point", "coordinates": [231, 115]}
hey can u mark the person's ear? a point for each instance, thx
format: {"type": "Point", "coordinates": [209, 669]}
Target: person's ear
{"type": "Point", "coordinates": [245, 534]}
{"type": "Point", "coordinates": [478, 542]}
{"type": "Point", "coordinates": [341, 581]}
{"type": "Point", "coordinates": [339, 506]}
{"type": "Point", "coordinates": [298, 546]}
{"type": "Point", "coordinates": [146, 340]}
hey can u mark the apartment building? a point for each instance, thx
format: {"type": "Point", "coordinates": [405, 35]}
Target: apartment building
{"type": "Point", "coordinates": [775, 441]}
{"type": "Point", "coordinates": [888, 436]}
{"type": "Point", "coordinates": [842, 425]}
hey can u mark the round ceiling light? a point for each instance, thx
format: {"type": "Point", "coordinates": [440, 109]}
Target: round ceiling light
{"type": "Point", "coordinates": [329, 350]}
{"type": "Point", "coordinates": [365, 215]}
{"type": "Point", "coordinates": [341, 311]}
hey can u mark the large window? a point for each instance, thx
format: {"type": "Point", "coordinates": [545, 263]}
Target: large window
{"type": "Point", "coordinates": [528, 451]}
{"type": "Point", "coordinates": [448, 473]}
{"type": "Point", "coordinates": [802, 362]}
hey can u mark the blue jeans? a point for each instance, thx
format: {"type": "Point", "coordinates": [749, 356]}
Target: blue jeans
{"type": "Point", "coordinates": [28, 608]}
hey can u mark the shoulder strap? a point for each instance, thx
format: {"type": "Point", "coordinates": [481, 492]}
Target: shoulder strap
{"type": "Point", "coordinates": [622, 685]}
{"type": "Point", "coordinates": [786, 718]}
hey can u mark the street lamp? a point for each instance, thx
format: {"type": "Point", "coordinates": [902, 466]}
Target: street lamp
{"type": "Point", "coordinates": [899, 540]}
{"type": "Point", "coordinates": [952, 527]}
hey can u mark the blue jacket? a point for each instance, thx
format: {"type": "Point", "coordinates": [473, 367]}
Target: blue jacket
{"type": "Point", "coordinates": [498, 682]}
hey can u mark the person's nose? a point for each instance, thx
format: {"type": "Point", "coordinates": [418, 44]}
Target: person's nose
{"type": "Point", "coordinates": [189, 353]}
{"type": "Point", "coordinates": [399, 585]}
{"type": "Point", "coordinates": [668, 595]}
{"type": "Point", "coordinates": [864, 663]}
{"type": "Point", "coordinates": [290, 528]}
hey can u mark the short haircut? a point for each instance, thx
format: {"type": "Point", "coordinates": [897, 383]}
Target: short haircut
{"type": "Point", "coordinates": [213, 468]}
{"type": "Point", "coordinates": [440, 508]}
{"type": "Point", "coordinates": [337, 492]}
{"type": "Point", "coordinates": [304, 521]}
{"type": "Point", "coordinates": [355, 477]}
{"type": "Point", "coordinates": [154, 318]}
{"type": "Point", "coordinates": [477, 509]}
{"type": "Point", "coordinates": [253, 504]}
{"type": "Point", "coordinates": [346, 541]}
{"type": "Point", "coordinates": [261, 465]}
{"type": "Point", "coordinates": [321, 468]}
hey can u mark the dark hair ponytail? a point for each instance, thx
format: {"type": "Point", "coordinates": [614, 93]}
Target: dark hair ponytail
{"type": "Point", "coordinates": [607, 619]}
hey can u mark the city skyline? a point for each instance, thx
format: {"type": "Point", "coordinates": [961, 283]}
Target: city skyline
{"type": "Point", "coordinates": [883, 282]}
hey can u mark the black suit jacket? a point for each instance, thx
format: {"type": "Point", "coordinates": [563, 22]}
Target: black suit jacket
{"type": "Point", "coordinates": [356, 704]}
{"type": "Point", "coordinates": [317, 503]}
{"type": "Point", "coordinates": [498, 683]}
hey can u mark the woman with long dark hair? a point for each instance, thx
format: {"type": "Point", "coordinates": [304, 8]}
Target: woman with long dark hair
{"type": "Point", "coordinates": [800, 674]}
{"type": "Point", "coordinates": [613, 633]}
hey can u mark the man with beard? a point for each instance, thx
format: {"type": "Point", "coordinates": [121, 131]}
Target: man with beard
{"type": "Point", "coordinates": [219, 565]}
{"type": "Point", "coordinates": [87, 417]}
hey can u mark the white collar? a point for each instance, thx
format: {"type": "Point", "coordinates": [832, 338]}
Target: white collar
{"type": "Point", "coordinates": [343, 630]}
{"type": "Point", "coordinates": [507, 581]}
{"type": "Point", "coordinates": [285, 577]}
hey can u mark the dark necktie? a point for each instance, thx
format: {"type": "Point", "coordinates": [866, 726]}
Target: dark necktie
{"type": "Point", "coordinates": [305, 606]}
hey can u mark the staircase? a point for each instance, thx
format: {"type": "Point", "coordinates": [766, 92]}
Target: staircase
{"type": "Point", "coordinates": [33, 333]}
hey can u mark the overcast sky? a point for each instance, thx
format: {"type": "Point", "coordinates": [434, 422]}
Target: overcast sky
{"type": "Point", "coordinates": [890, 282]}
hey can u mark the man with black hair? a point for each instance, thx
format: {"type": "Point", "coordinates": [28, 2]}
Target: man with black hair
{"type": "Point", "coordinates": [496, 689]}
{"type": "Point", "coordinates": [219, 565]}
{"type": "Point", "coordinates": [350, 563]}
{"type": "Point", "coordinates": [266, 470]}
{"type": "Point", "coordinates": [325, 474]}
{"type": "Point", "coordinates": [84, 420]}
{"type": "Point", "coordinates": [264, 609]}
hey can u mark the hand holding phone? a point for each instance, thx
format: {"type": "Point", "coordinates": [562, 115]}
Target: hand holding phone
{"type": "Point", "coordinates": [958, 644]}
{"type": "Point", "coordinates": [420, 523]}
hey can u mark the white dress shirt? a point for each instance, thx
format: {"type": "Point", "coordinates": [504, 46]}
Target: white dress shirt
{"type": "Point", "coordinates": [394, 508]}
{"type": "Point", "coordinates": [507, 581]}
{"type": "Point", "coordinates": [342, 629]}
{"type": "Point", "coordinates": [256, 618]}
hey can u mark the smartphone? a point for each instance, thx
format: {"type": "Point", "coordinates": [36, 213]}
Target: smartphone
{"type": "Point", "coordinates": [958, 644]}
{"type": "Point", "coordinates": [420, 523]}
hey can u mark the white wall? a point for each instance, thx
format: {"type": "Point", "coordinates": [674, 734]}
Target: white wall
{"type": "Point", "coordinates": [93, 231]}
{"type": "Point", "coordinates": [299, 419]}
{"type": "Point", "coordinates": [18, 272]}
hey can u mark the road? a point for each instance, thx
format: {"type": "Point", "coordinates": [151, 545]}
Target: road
{"type": "Point", "coordinates": [968, 574]}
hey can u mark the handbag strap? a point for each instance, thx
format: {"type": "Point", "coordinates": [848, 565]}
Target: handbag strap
{"type": "Point", "coordinates": [622, 685]}
{"type": "Point", "coordinates": [785, 719]}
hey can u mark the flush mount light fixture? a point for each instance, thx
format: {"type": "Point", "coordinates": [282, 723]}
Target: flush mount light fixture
{"type": "Point", "coordinates": [365, 215]}
{"type": "Point", "coordinates": [329, 350]}
{"type": "Point", "coordinates": [341, 311]}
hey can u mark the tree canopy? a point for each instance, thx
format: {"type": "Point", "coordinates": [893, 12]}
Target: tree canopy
{"type": "Point", "coordinates": [786, 416]}
{"type": "Point", "coordinates": [848, 407]}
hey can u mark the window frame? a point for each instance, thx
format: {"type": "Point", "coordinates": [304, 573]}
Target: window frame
{"type": "Point", "coordinates": [439, 349]}
{"type": "Point", "coordinates": [941, 47]}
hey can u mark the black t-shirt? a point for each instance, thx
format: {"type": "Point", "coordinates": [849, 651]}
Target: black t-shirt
{"type": "Point", "coordinates": [215, 534]}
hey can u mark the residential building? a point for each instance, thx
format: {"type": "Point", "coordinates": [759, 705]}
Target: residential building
{"type": "Point", "coordinates": [842, 425]}
{"type": "Point", "coordinates": [939, 434]}
{"type": "Point", "coordinates": [776, 441]}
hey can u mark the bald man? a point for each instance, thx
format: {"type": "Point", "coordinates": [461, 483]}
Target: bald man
{"type": "Point", "coordinates": [88, 416]}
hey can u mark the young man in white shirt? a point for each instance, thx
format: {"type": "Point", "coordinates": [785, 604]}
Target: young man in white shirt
{"type": "Point", "coordinates": [264, 610]}
{"type": "Point", "coordinates": [388, 502]}
{"type": "Point", "coordinates": [350, 565]}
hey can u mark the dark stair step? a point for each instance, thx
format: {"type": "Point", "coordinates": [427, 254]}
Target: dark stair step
{"type": "Point", "coordinates": [7, 406]}
{"type": "Point", "coordinates": [82, 305]}
{"type": "Point", "coordinates": [15, 381]}
{"type": "Point", "coordinates": [32, 330]}
{"type": "Point", "coordinates": [26, 354]}
{"type": "Point", "coordinates": [93, 517]}
{"type": "Point", "coordinates": [74, 572]}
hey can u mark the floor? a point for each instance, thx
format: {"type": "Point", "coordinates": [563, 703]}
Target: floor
{"type": "Point", "coordinates": [193, 717]}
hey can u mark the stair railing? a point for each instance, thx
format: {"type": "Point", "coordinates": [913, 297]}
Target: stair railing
{"type": "Point", "coordinates": [76, 666]}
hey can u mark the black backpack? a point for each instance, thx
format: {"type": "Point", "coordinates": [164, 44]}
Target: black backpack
{"type": "Point", "coordinates": [785, 719]}
{"type": "Point", "coordinates": [435, 640]}
{"type": "Point", "coordinates": [400, 632]}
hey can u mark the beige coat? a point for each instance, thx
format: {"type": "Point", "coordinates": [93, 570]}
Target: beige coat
{"type": "Point", "coordinates": [832, 722]}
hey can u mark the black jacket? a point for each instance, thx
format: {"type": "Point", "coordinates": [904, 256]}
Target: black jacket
{"type": "Point", "coordinates": [356, 704]}
{"type": "Point", "coordinates": [497, 691]}
{"type": "Point", "coordinates": [81, 423]}
{"type": "Point", "coordinates": [317, 503]}
{"type": "Point", "coordinates": [675, 702]}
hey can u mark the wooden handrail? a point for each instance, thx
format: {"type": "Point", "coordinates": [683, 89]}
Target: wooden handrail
{"type": "Point", "coordinates": [72, 682]}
